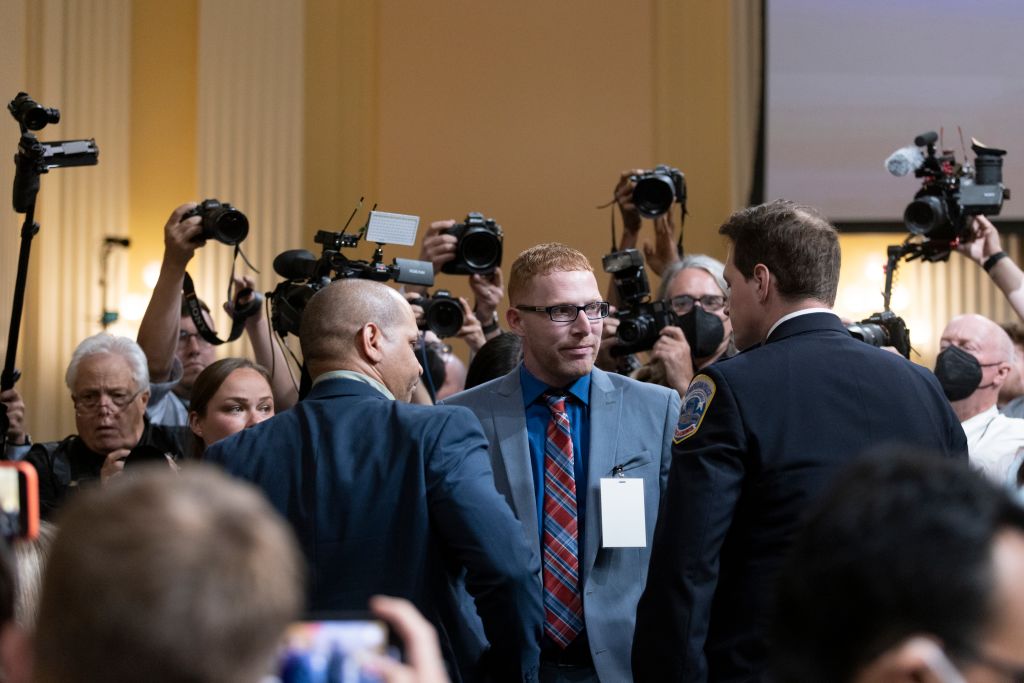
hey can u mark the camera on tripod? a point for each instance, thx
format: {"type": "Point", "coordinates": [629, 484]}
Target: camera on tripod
{"type": "Point", "coordinates": [641, 322]}
{"type": "Point", "coordinates": [305, 274]}
{"type": "Point", "coordinates": [479, 246]}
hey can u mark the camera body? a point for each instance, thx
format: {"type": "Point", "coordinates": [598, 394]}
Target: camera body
{"type": "Point", "coordinates": [641, 322]}
{"type": "Point", "coordinates": [641, 325]}
{"type": "Point", "coordinates": [883, 329]}
{"type": "Point", "coordinates": [951, 194]}
{"type": "Point", "coordinates": [479, 246]}
{"type": "Point", "coordinates": [442, 313]}
{"type": "Point", "coordinates": [305, 274]}
{"type": "Point", "coordinates": [657, 189]}
{"type": "Point", "coordinates": [221, 222]}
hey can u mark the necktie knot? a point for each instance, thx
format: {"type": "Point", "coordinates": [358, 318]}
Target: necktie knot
{"type": "Point", "coordinates": [555, 400]}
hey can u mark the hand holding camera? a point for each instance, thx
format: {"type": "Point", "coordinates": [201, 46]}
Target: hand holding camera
{"type": "Point", "coordinates": [182, 236]}
{"type": "Point", "coordinates": [673, 351]}
{"type": "Point", "coordinates": [984, 241]}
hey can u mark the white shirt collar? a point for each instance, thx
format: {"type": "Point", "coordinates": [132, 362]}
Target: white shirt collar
{"type": "Point", "coordinates": [357, 376]}
{"type": "Point", "coordinates": [796, 314]}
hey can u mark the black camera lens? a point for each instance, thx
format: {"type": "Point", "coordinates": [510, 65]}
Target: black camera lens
{"type": "Point", "coordinates": [221, 222]}
{"type": "Point", "coordinates": [445, 317]}
{"type": "Point", "coordinates": [227, 225]}
{"type": "Point", "coordinates": [634, 331]}
{"type": "Point", "coordinates": [868, 332]}
{"type": "Point", "coordinates": [926, 215]}
{"type": "Point", "coordinates": [988, 169]}
{"type": "Point", "coordinates": [31, 114]}
{"type": "Point", "coordinates": [481, 250]}
{"type": "Point", "coordinates": [654, 194]}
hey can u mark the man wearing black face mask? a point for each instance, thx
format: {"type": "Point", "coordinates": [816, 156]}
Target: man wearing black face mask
{"type": "Point", "coordinates": [974, 363]}
{"type": "Point", "coordinates": [695, 288]}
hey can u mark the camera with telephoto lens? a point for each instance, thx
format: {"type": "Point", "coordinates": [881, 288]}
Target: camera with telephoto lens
{"type": "Point", "coordinates": [479, 246]}
{"type": "Point", "coordinates": [951, 194]}
{"type": "Point", "coordinates": [641, 321]}
{"type": "Point", "coordinates": [442, 313]}
{"type": "Point", "coordinates": [883, 329]}
{"type": "Point", "coordinates": [656, 190]}
{"type": "Point", "coordinates": [221, 222]}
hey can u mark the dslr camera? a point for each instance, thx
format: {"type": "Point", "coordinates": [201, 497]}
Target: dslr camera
{"type": "Point", "coordinates": [656, 190]}
{"type": "Point", "coordinates": [951, 193]}
{"type": "Point", "coordinates": [641, 322]}
{"type": "Point", "coordinates": [479, 246]}
{"type": "Point", "coordinates": [221, 222]}
{"type": "Point", "coordinates": [442, 313]}
{"type": "Point", "coordinates": [883, 329]}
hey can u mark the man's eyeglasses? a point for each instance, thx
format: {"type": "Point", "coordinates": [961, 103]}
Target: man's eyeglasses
{"type": "Point", "coordinates": [566, 313]}
{"type": "Point", "coordinates": [709, 302]}
{"type": "Point", "coordinates": [90, 401]}
{"type": "Point", "coordinates": [185, 337]}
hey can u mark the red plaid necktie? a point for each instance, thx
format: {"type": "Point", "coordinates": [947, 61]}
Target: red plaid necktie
{"type": "Point", "coordinates": [563, 607]}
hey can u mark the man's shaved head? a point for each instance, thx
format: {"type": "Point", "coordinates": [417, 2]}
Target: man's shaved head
{"type": "Point", "coordinates": [336, 313]}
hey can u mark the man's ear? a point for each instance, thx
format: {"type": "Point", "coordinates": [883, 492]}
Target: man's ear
{"type": "Point", "coordinates": [915, 659]}
{"type": "Point", "coordinates": [145, 398]}
{"type": "Point", "coordinates": [763, 277]}
{"type": "Point", "coordinates": [1002, 373]}
{"type": "Point", "coordinates": [514, 318]}
{"type": "Point", "coordinates": [371, 342]}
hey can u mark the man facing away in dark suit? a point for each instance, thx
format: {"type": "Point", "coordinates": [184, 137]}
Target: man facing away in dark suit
{"type": "Point", "coordinates": [760, 436]}
{"type": "Point", "coordinates": [582, 456]}
{"type": "Point", "coordinates": [387, 497]}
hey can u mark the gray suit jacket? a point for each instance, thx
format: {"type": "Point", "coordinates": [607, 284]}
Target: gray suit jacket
{"type": "Point", "coordinates": [631, 425]}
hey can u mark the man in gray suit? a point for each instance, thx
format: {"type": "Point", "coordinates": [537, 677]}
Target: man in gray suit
{"type": "Point", "coordinates": [582, 457]}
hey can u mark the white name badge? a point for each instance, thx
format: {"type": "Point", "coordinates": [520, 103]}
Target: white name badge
{"type": "Point", "coordinates": [623, 524]}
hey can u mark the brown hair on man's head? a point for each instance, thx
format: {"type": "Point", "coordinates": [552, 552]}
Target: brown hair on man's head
{"type": "Point", "coordinates": [796, 243]}
{"type": "Point", "coordinates": [166, 577]}
{"type": "Point", "coordinates": [543, 259]}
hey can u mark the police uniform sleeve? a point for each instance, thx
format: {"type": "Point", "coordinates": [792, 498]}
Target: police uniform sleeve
{"type": "Point", "coordinates": [704, 484]}
{"type": "Point", "coordinates": [478, 527]}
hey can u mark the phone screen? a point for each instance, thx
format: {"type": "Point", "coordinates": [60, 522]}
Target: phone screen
{"type": "Point", "coordinates": [19, 501]}
{"type": "Point", "coordinates": [332, 650]}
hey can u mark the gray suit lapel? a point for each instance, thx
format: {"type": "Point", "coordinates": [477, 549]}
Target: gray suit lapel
{"type": "Point", "coordinates": [605, 409]}
{"type": "Point", "coordinates": [514, 450]}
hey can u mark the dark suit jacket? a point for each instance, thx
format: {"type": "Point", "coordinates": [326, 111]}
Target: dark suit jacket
{"type": "Point", "coordinates": [783, 419]}
{"type": "Point", "coordinates": [388, 497]}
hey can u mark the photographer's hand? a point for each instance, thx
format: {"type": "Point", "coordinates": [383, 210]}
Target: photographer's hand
{"type": "Point", "coordinates": [16, 434]}
{"type": "Point", "coordinates": [489, 291]}
{"type": "Point", "coordinates": [158, 331]}
{"type": "Point", "coordinates": [266, 352]}
{"type": "Point", "coordinates": [437, 248]}
{"type": "Point", "coordinates": [673, 351]}
{"type": "Point", "coordinates": [665, 252]}
{"type": "Point", "coordinates": [419, 639]}
{"type": "Point", "coordinates": [984, 243]}
{"type": "Point", "coordinates": [113, 465]}
{"type": "Point", "coordinates": [471, 331]}
{"type": "Point", "coordinates": [1006, 274]}
{"type": "Point", "coordinates": [631, 220]}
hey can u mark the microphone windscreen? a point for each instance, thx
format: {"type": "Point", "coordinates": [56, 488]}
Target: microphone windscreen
{"type": "Point", "coordinates": [295, 264]}
{"type": "Point", "coordinates": [904, 161]}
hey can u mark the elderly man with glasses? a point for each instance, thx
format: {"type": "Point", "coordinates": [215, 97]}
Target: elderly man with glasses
{"type": "Point", "coordinates": [582, 455]}
{"type": "Point", "coordinates": [109, 384]}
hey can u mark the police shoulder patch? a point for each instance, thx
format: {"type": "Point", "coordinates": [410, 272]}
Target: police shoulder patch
{"type": "Point", "coordinates": [695, 405]}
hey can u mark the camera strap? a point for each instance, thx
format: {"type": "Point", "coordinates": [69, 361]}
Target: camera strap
{"type": "Point", "coordinates": [239, 312]}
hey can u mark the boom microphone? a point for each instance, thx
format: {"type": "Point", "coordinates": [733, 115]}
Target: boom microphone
{"type": "Point", "coordinates": [295, 264]}
{"type": "Point", "coordinates": [904, 160]}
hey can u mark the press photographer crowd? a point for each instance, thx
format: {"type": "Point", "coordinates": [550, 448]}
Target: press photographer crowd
{"type": "Point", "coordinates": [716, 478]}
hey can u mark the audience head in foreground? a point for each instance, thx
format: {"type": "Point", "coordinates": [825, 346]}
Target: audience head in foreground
{"type": "Point", "coordinates": [166, 577]}
{"type": "Point", "coordinates": [910, 569]}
